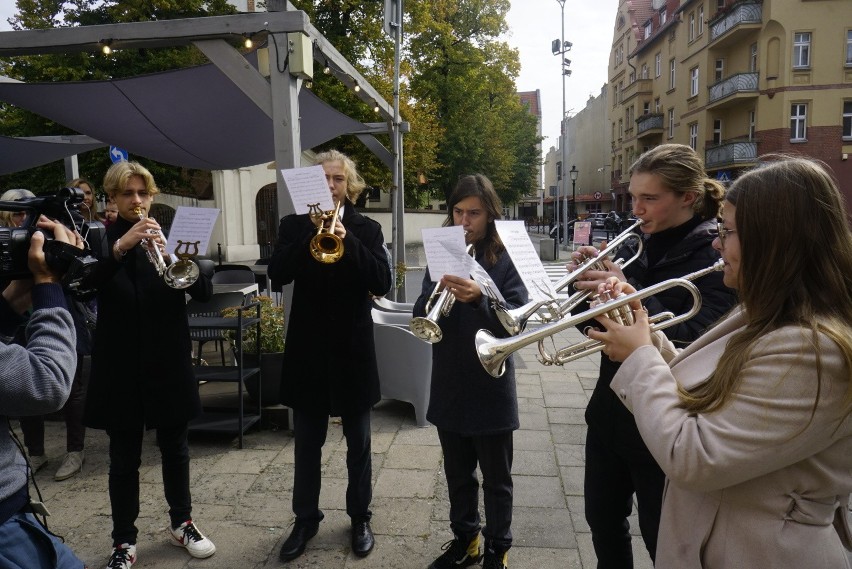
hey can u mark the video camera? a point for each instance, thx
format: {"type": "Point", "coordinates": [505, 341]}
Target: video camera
{"type": "Point", "coordinates": [73, 263]}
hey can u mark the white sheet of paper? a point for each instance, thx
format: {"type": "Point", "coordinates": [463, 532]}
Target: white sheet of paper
{"type": "Point", "coordinates": [445, 252]}
{"type": "Point", "coordinates": [486, 285]}
{"type": "Point", "coordinates": [189, 225]}
{"type": "Point", "coordinates": [307, 186]}
{"type": "Point", "coordinates": [523, 254]}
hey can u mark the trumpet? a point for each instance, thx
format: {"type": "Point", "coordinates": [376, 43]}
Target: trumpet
{"type": "Point", "coordinates": [493, 352]}
{"type": "Point", "coordinates": [326, 247]}
{"type": "Point", "coordinates": [183, 272]}
{"type": "Point", "coordinates": [515, 320]}
{"type": "Point", "coordinates": [440, 303]}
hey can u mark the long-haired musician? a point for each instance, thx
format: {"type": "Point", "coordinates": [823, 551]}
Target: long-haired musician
{"type": "Point", "coordinates": [330, 364]}
{"type": "Point", "coordinates": [142, 374]}
{"type": "Point", "coordinates": [752, 423]}
{"type": "Point", "coordinates": [474, 413]}
{"type": "Point", "coordinates": [679, 204]}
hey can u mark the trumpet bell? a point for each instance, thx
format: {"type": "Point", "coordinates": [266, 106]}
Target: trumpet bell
{"type": "Point", "coordinates": [426, 329]}
{"type": "Point", "coordinates": [182, 274]}
{"type": "Point", "coordinates": [326, 247]}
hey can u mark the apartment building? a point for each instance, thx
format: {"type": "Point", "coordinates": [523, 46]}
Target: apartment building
{"type": "Point", "coordinates": [733, 79]}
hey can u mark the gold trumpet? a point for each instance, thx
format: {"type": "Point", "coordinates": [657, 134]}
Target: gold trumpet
{"type": "Point", "coordinates": [493, 352]}
{"type": "Point", "coordinates": [440, 303]}
{"type": "Point", "coordinates": [515, 320]}
{"type": "Point", "coordinates": [326, 247]}
{"type": "Point", "coordinates": [182, 272]}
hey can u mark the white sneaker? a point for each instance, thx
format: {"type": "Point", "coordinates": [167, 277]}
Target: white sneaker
{"type": "Point", "coordinates": [123, 557]}
{"type": "Point", "coordinates": [71, 465]}
{"type": "Point", "coordinates": [188, 536]}
{"type": "Point", "coordinates": [37, 462]}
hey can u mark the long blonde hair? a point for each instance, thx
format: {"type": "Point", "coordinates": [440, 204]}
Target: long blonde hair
{"type": "Point", "coordinates": [795, 269]}
{"type": "Point", "coordinates": [355, 184]}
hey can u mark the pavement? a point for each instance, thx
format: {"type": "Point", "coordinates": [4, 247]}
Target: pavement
{"type": "Point", "coordinates": [241, 497]}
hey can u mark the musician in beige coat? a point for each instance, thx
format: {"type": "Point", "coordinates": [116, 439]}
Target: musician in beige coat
{"type": "Point", "coordinates": [751, 423]}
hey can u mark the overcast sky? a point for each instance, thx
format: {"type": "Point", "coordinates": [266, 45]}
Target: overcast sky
{"type": "Point", "coordinates": [534, 24]}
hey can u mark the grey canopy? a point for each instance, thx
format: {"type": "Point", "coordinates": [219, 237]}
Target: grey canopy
{"type": "Point", "coordinates": [194, 118]}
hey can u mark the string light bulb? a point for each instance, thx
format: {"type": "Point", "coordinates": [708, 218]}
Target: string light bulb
{"type": "Point", "coordinates": [326, 69]}
{"type": "Point", "coordinates": [248, 43]}
{"type": "Point", "coordinates": [105, 47]}
{"type": "Point", "coordinates": [375, 107]}
{"type": "Point", "coordinates": [357, 87]}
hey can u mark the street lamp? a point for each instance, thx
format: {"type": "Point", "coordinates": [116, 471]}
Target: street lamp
{"type": "Point", "coordinates": [560, 48]}
{"type": "Point", "coordinates": [574, 173]}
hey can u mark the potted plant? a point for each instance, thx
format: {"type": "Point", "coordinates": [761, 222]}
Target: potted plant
{"type": "Point", "coordinates": [271, 348]}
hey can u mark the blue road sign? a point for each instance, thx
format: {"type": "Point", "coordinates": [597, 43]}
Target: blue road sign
{"type": "Point", "coordinates": [117, 154]}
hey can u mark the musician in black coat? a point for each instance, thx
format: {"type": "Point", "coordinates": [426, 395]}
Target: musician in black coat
{"type": "Point", "coordinates": [329, 358]}
{"type": "Point", "coordinates": [142, 374]}
{"type": "Point", "coordinates": [475, 413]}
{"type": "Point", "coordinates": [678, 203]}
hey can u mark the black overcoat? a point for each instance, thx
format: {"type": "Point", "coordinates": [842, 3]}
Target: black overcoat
{"type": "Point", "coordinates": [464, 398]}
{"type": "Point", "coordinates": [330, 355]}
{"type": "Point", "coordinates": [142, 354]}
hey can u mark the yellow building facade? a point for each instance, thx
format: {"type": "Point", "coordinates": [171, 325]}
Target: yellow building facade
{"type": "Point", "coordinates": [734, 80]}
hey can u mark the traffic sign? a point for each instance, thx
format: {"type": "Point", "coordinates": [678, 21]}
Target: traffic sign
{"type": "Point", "coordinates": [598, 195]}
{"type": "Point", "coordinates": [117, 154]}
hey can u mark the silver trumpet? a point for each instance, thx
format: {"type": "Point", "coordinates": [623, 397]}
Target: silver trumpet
{"type": "Point", "coordinates": [515, 320]}
{"type": "Point", "coordinates": [440, 303]}
{"type": "Point", "coordinates": [182, 272]}
{"type": "Point", "coordinates": [493, 352]}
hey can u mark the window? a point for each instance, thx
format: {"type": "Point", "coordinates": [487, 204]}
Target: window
{"type": "Point", "coordinates": [720, 4]}
{"type": "Point", "coordinates": [693, 82]}
{"type": "Point", "coordinates": [671, 123]}
{"type": "Point", "coordinates": [644, 71]}
{"type": "Point", "coordinates": [658, 65]}
{"type": "Point", "coordinates": [620, 129]}
{"type": "Point", "coordinates": [693, 135]}
{"type": "Point", "coordinates": [615, 95]}
{"type": "Point", "coordinates": [720, 70]}
{"type": "Point", "coordinates": [662, 16]}
{"type": "Point", "coordinates": [671, 74]}
{"type": "Point", "coordinates": [801, 49]}
{"type": "Point", "coordinates": [798, 122]}
{"type": "Point", "coordinates": [752, 122]}
{"type": "Point", "coordinates": [849, 47]}
{"type": "Point", "coordinates": [648, 30]}
{"type": "Point", "coordinates": [691, 26]}
{"type": "Point", "coordinates": [657, 105]}
{"type": "Point", "coordinates": [700, 20]}
{"type": "Point", "coordinates": [847, 120]}
{"type": "Point", "coordinates": [717, 132]}
{"type": "Point", "coordinates": [752, 59]}
{"type": "Point", "coordinates": [646, 108]}
{"type": "Point", "coordinates": [631, 78]}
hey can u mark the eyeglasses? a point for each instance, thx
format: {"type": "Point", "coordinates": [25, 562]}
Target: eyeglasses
{"type": "Point", "coordinates": [723, 233]}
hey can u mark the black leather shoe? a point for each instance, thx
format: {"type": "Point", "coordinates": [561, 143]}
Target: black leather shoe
{"type": "Point", "coordinates": [295, 544]}
{"type": "Point", "coordinates": [362, 538]}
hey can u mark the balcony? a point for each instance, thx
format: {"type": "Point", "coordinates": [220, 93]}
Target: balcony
{"type": "Point", "coordinates": [638, 87]}
{"type": "Point", "coordinates": [731, 153]}
{"type": "Point", "coordinates": [732, 90]}
{"type": "Point", "coordinates": [649, 125]}
{"type": "Point", "coordinates": [739, 20]}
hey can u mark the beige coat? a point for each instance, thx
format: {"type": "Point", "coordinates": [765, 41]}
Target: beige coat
{"type": "Point", "coordinates": [758, 483]}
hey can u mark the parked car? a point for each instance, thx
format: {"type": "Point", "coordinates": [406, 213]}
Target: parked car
{"type": "Point", "coordinates": [627, 219]}
{"type": "Point", "coordinates": [598, 220]}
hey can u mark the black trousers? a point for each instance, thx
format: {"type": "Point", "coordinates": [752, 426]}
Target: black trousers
{"type": "Point", "coordinates": [125, 457]}
{"type": "Point", "coordinates": [75, 432]}
{"type": "Point", "coordinates": [310, 430]}
{"type": "Point", "coordinates": [613, 475]}
{"type": "Point", "coordinates": [493, 453]}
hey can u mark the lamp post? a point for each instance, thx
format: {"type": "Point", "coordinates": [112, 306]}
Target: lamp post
{"type": "Point", "coordinates": [560, 47]}
{"type": "Point", "coordinates": [574, 173]}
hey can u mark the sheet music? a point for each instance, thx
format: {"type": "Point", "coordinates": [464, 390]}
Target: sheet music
{"type": "Point", "coordinates": [486, 285]}
{"type": "Point", "coordinates": [306, 186]}
{"type": "Point", "coordinates": [445, 252]}
{"type": "Point", "coordinates": [189, 225]}
{"type": "Point", "coordinates": [524, 256]}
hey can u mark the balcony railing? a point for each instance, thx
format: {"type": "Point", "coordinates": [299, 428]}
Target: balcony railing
{"type": "Point", "coordinates": [731, 153]}
{"type": "Point", "coordinates": [648, 122]}
{"type": "Point", "coordinates": [745, 13]}
{"type": "Point", "coordinates": [739, 83]}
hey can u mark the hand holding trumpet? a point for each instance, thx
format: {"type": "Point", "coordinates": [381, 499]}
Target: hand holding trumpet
{"type": "Point", "coordinates": [621, 340]}
{"type": "Point", "coordinates": [146, 231]}
{"type": "Point", "coordinates": [465, 290]}
{"type": "Point", "coordinates": [593, 278]}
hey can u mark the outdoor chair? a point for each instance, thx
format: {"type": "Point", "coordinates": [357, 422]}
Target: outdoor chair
{"type": "Point", "coordinates": [213, 307]}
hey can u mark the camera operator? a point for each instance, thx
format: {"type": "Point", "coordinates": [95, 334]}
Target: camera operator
{"type": "Point", "coordinates": [34, 379]}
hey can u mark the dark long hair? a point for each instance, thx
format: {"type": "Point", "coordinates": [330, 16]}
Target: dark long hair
{"type": "Point", "coordinates": [477, 185]}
